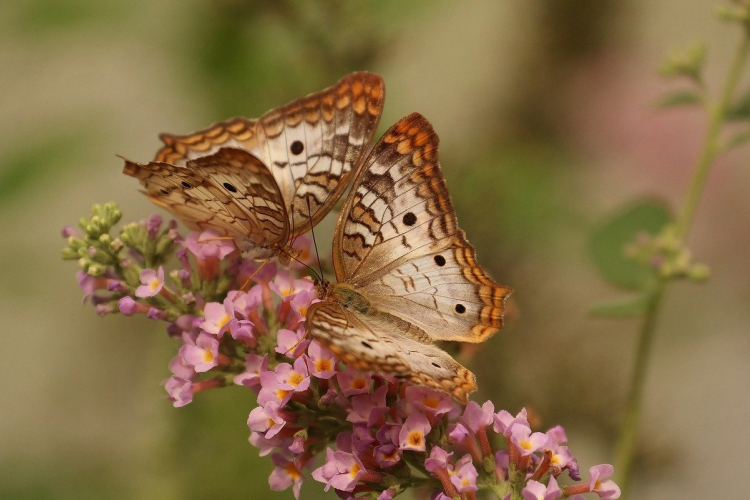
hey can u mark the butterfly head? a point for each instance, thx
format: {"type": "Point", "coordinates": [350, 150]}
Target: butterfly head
{"type": "Point", "coordinates": [321, 288]}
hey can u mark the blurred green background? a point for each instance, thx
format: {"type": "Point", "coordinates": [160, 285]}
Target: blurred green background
{"type": "Point", "coordinates": [545, 112]}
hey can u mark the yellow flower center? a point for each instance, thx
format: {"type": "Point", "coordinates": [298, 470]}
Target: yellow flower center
{"type": "Point", "coordinates": [526, 444]}
{"type": "Point", "coordinates": [154, 284]}
{"type": "Point", "coordinates": [296, 379]}
{"type": "Point", "coordinates": [431, 402]}
{"type": "Point", "coordinates": [208, 356]}
{"type": "Point", "coordinates": [358, 383]}
{"type": "Point", "coordinates": [355, 470]}
{"type": "Point", "coordinates": [415, 438]}
{"type": "Point", "coordinates": [323, 365]}
{"type": "Point", "coordinates": [292, 471]}
{"type": "Point", "coordinates": [223, 321]}
{"type": "Point", "coordinates": [281, 393]}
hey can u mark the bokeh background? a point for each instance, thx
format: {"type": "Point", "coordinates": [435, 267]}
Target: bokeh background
{"type": "Point", "coordinates": [547, 124]}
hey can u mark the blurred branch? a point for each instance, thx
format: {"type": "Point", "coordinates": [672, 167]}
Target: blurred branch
{"type": "Point", "coordinates": [719, 115]}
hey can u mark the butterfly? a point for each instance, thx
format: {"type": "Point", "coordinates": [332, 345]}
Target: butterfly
{"type": "Point", "coordinates": [407, 276]}
{"type": "Point", "coordinates": [264, 182]}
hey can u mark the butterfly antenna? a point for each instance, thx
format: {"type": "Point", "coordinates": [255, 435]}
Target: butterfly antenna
{"type": "Point", "coordinates": [312, 231]}
{"type": "Point", "coordinates": [296, 259]}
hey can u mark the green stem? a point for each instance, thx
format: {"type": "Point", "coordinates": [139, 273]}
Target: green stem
{"type": "Point", "coordinates": [629, 431]}
{"type": "Point", "coordinates": [712, 146]}
{"type": "Point", "coordinates": [711, 149]}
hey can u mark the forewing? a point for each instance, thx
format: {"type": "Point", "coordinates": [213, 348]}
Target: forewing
{"type": "Point", "coordinates": [397, 239]}
{"type": "Point", "coordinates": [313, 145]}
{"type": "Point", "coordinates": [375, 344]}
{"type": "Point", "coordinates": [230, 191]}
{"type": "Point", "coordinates": [238, 133]}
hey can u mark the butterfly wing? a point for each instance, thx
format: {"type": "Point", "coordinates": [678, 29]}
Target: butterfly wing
{"type": "Point", "coordinates": [311, 145]}
{"type": "Point", "coordinates": [230, 191]}
{"type": "Point", "coordinates": [238, 133]}
{"type": "Point", "coordinates": [383, 344]}
{"type": "Point", "coordinates": [397, 241]}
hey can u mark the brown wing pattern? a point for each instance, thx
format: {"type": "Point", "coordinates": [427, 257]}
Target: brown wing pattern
{"type": "Point", "coordinates": [312, 145]}
{"type": "Point", "coordinates": [230, 191]}
{"type": "Point", "coordinates": [236, 133]}
{"type": "Point", "coordinates": [398, 240]}
{"type": "Point", "coordinates": [379, 344]}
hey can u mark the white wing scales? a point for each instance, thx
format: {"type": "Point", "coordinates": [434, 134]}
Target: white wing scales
{"type": "Point", "coordinates": [399, 250]}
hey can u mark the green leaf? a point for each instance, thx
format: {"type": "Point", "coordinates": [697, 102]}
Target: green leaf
{"type": "Point", "coordinates": [621, 308]}
{"type": "Point", "coordinates": [740, 110]}
{"type": "Point", "coordinates": [608, 242]}
{"type": "Point", "coordinates": [679, 98]}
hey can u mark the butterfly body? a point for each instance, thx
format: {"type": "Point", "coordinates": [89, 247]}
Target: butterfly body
{"type": "Point", "coordinates": [407, 276]}
{"type": "Point", "coordinates": [264, 182]}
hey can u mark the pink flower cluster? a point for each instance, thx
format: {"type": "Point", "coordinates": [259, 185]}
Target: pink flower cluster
{"type": "Point", "coordinates": [243, 324]}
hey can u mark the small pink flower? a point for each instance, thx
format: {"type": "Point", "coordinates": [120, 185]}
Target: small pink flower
{"type": "Point", "coordinates": [285, 474]}
{"type": "Point", "coordinates": [202, 354]}
{"type": "Point", "coordinates": [320, 361]}
{"type": "Point", "coordinates": [370, 409]}
{"type": "Point", "coordinates": [537, 491]}
{"type": "Point", "coordinates": [526, 441]}
{"type": "Point", "coordinates": [352, 382]}
{"type": "Point", "coordinates": [181, 368]}
{"type": "Point", "coordinates": [605, 489]}
{"type": "Point", "coordinates": [291, 344]}
{"type": "Point", "coordinates": [208, 245]}
{"type": "Point", "coordinates": [254, 366]}
{"type": "Point", "coordinates": [457, 433]}
{"type": "Point", "coordinates": [413, 432]}
{"type": "Point", "coordinates": [293, 378]}
{"type": "Point", "coordinates": [244, 303]}
{"type": "Point", "coordinates": [286, 287]}
{"type": "Point", "coordinates": [128, 306]}
{"type": "Point", "coordinates": [242, 329]}
{"type": "Point", "coordinates": [179, 390]}
{"type": "Point", "coordinates": [265, 446]}
{"type": "Point", "coordinates": [464, 476]}
{"type": "Point", "coordinates": [504, 421]}
{"type": "Point", "coordinates": [272, 390]}
{"type": "Point", "coordinates": [476, 416]}
{"type": "Point", "coordinates": [151, 282]}
{"type": "Point", "coordinates": [217, 317]}
{"type": "Point", "coordinates": [439, 459]}
{"type": "Point", "coordinates": [387, 455]}
{"type": "Point", "coordinates": [557, 434]}
{"type": "Point", "coordinates": [342, 470]}
{"type": "Point", "coordinates": [428, 401]}
{"type": "Point", "coordinates": [266, 419]}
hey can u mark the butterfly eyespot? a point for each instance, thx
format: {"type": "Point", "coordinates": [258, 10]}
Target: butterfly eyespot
{"type": "Point", "coordinates": [366, 345]}
{"type": "Point", "coordinates": [229, 187]}
{"type": "Point", "coordinates": [440, 260]}
{"type": "Point", "coordinates": [460, 308]}
{"type": "Point", "coordinates": [297, 147]}
{"type": "Point", "coordinates": [186, 185]}
{"type": "Point", "coordinates": [410, 219]}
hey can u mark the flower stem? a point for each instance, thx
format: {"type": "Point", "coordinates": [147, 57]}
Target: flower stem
{"type": "Point", "coordinates": [712, 145]}
{"type": "Point", "coordinates": [629, 430]}
{"type": "Point", "coordinates": [711, 149]}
